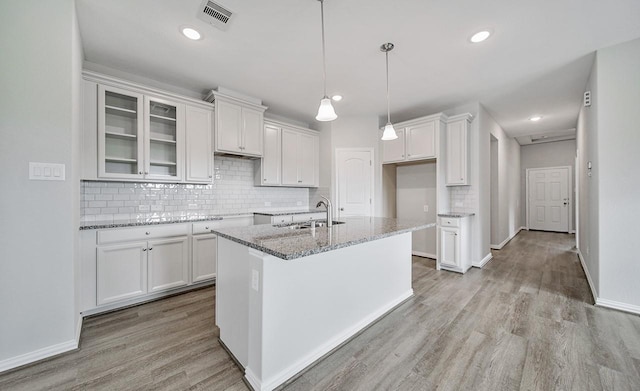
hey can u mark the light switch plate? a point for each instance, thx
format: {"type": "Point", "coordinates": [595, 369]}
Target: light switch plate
{"type": "Point", "coordinates": [46, 171]}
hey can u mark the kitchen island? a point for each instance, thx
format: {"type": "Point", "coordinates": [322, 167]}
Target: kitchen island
{"type": "Point", "coordinates": [287, 295]}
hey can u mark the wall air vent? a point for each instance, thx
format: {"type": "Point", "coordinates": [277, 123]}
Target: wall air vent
{"type": "Point", "coordinates": [587, 99]}
{"type": "Point", "coordinates": [215, 14]}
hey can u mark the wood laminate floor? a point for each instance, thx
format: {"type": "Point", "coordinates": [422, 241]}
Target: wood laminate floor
{"type": "Point", "coordinates": [524, 322]}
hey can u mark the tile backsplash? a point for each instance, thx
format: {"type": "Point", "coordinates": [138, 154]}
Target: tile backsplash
{"type": "Point", "coordinates": [232, 192]}
{"type": "Point", "coordinates": [462, 199]}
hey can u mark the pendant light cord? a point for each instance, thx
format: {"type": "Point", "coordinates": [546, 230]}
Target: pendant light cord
{"type": "Point", "coordinates": [388, 99]}
{"type": "Point", "coordinates": [324, 55]}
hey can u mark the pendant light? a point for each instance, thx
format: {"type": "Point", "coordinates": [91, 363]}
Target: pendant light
{"type": "Point", "coordinates": [389, 132]}
{"type": "Point", "coordinates": [325, 111]}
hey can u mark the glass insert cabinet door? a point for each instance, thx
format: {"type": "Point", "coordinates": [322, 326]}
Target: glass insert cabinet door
{"type": "Point", "coordinates": [139, 137]}
{"type": "Point", "coordinates": [164, 122]}
{"type": "Point", "coordinates": [120, 133]}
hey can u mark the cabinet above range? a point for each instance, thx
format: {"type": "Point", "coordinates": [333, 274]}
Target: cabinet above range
{"type": "Point", "coordinates": [417, 140]}
{"type": "Point", "coordinates": [238, 125]}
{"type": "Point", "coordinates": [136, 133]}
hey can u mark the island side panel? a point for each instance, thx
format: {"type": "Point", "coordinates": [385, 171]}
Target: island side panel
{"type": "Point", "coordinates": [311, 305]}
{"type": "Point", "coordinates": [232, 297]}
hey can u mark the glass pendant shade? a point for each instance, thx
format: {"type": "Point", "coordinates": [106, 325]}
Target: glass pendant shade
{"type": "Point", "coordinates": [326, 111]}
{"type": "Point", "coordinates": [389, 132]}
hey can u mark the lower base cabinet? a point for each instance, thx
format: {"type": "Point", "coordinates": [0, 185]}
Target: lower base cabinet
{"type": "Point", "coordinates": [121, 272]}
{"type": "Point", "coordinates": [168, 263]}
{"type": "Point", "coordinates": [204, 249]}
{"type": "Point", "coordinates": [454, 243]}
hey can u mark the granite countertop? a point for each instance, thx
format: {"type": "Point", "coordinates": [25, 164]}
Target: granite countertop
{"type": "Point", "coordinates": [156, 221]}
{"type": "Point", "coordinates": [290, 212]}
{"type": "Point", "coordinates": [455, 214]}
{"type": "Point", "coordinates": [286, 243]}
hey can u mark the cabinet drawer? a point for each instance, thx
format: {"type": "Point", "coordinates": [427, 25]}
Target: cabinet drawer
{"type": "Point", "coordinates": [449, 222]}
{"type": "Point", "coordinates": [141, 233]}
{"type": "Point", "coordinates": [205, 227]}
{"type": "Point", "coordinates": [309, 217]}
{"type": "Point", "coordinates": [282, 219]}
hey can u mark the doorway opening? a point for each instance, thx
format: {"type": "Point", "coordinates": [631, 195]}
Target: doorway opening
{"type": "Point", "coordinates": [495, 190]}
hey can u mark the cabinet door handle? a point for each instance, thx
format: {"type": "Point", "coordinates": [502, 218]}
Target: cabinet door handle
{"type": "Point", "coordinates": [140, 172]}
{"type": "Point", "coordinates": [146, 173]}
{"type": "Point", "coordinates": [151, 248]}
{"type": "Point", "coordinates": [299, 181]}
{"type": "Point", "coordinates": [206, 227]}
{"type": "Point", "coordinates": [144, 249]}
{"type": "Point", "coordinates": [265, 179]}
{"type": "Point", "coordinates": [210, 176]}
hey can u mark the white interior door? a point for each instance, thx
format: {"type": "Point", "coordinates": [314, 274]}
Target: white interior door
{"type": "Point", "coordinates": [354, 179]}
{"type": "Point", "coordinates": [548, 199]}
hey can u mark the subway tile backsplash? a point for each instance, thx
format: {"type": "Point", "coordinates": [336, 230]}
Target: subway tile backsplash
{"type": "Point", "coordinates": [462, 199]}
{"type": "Point", "coordinates": [232, 192]}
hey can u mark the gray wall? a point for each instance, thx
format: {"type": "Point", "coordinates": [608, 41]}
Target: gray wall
{"type": "Point", "coordinates": [415, 188]}
{"type": "Point", "coordinates": [39, 123]}
{"type": "Point", "coordinates": [554, 154]}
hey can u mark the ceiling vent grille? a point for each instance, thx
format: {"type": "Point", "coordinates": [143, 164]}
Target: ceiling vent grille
{"type": "Point", "coordinates": [215, 14]}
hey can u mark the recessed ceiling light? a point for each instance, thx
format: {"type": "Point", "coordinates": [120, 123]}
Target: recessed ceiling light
{"type": "Point", "coordinates": [191, 33]}
{"type": "Point", "coordinates": [337, 98]}
{"type": "Point", "coordinates": [535, 118]}
{"type": "Point", "coordinates": [480, 36]}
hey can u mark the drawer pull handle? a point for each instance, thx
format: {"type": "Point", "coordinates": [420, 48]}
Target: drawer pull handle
{"type": "Point", "coordinates": [206, 227]}
{"type": "Point", "coordinates": [147, 233]}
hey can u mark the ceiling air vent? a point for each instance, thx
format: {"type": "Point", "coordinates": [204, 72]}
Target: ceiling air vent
{"type": "Point", "coordinates": [215, 14]}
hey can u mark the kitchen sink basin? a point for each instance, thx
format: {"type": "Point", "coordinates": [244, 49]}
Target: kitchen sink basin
{"type": "Point", "coordinates": [307, 224]}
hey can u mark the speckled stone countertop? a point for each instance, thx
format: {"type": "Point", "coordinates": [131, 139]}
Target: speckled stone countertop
{"type": "Point", "coordinates": [455, 215]}
{"type": "Point", "coordinates": [286, 243]}
{"type": "Point", "coordinates": [290, 212]}
{"type": "Point", "coordinates": [155, 221]}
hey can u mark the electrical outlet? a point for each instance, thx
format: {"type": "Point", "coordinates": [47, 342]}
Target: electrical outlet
{"type": "Point", "coordinates": [144, 208]}
{"type": "Point", "coordinates": [255, 280]}
{"type": "Point", "coordinates": [426, 208]}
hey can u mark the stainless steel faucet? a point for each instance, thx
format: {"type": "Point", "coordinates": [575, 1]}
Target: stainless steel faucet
{"type": "Point", "coordinates": [329, 207]}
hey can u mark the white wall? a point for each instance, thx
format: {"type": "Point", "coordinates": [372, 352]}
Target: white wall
{"type": "Point", "coordinates": [415, 188]}
{"type": "Point", "coordinates": [39, 78]}
{"type": "Point", "coordinates": [508, 201]}
{"type": "Point", "coordinates": [587, 211]}
{"type": "Point", "coordinates": [618, 143]}
{"type": "Point", "coordinates": [554, 154]}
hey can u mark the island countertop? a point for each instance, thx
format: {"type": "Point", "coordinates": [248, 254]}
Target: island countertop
{"type": "Point", "coordinates": [286, 243]}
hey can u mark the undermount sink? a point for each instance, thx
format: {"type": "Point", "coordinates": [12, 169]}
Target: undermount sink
{"type": "Point", "coordinates": [306, 225]}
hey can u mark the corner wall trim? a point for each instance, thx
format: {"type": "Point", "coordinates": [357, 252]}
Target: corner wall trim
{"type": "Point", "coordinates": [423, 255]}
{"type": "Point", "coordinates": [507, 240]}
{"type": "Point", "coordinates": [594, 292]}
{"type": "Point", "coordinates": [616, 305]}
{"type": "Point", "coordinates": [484, 261]}
{"type": "Point", "coordinates": [37, 355]}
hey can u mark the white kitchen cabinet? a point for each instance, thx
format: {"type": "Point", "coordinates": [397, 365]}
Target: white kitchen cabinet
{"type": "Point", "coordinates": [239, 126]}
{"type": "Point", "coordinates": [135, 133]}
{"type": "Point", "coordinates": [121, 272]}
{"type": "Point", "coordinates": [199, 151]}
{"type": "Point", "coordinates": [168, 263]}
{"type": "Point", "coordinates": [139, 136]}
{"type": "Point", "coordinates": [394, 150]}
{"type": "Point", "coordinates": [269, 171]}
{"type": "Point", "coordinates": [203, 253]}
{"type": "Point", "coordinates": [299, 158]}
{"type": "Point", "coordinates": [454, 243]}
{"type": "Point", "coordinates": [417, 140]}
{"type": "Point", "coordinates": [457, 144]}
{"type": "Point", "coordinates": [291, 156]}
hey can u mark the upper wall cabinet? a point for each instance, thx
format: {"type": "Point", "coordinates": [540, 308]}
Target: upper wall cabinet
{"type": "Point", "coordinates": [133, 133]}
{"type": "Point", "coordinates": [457, 142]}
{"type": "Point", "coordinates": [417, 140]}
{"type": "Point", "coordinates": [239, 126]}
{"type": "Point", "coordinates": [291, 156]}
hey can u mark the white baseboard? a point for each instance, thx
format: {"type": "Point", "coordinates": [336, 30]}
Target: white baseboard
{"type": "Point", "coordinates": [594, 292]}
{"type": "Point", "coordinates": [37, 355]}
{"type": "Point", "coordinates": [484, 261]}
{"type": "Point", "coordinates": [507, 240]}
{"type": "Point", "coordinates": [616, 305]}
{"type": "Point", "coordinates": [423, 255]}
{"type": "Point", "coordinates": [292, 370]}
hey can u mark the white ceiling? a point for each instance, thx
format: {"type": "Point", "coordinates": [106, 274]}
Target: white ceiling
{"type": "Point", "coordinates": [537, 61]}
